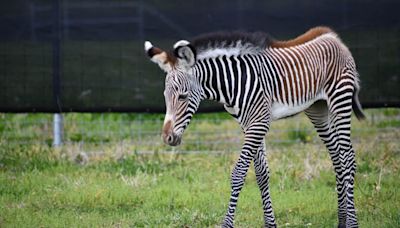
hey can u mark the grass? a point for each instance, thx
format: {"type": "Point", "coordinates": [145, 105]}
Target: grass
{"type": "Point", "coordinates": [41, 186]}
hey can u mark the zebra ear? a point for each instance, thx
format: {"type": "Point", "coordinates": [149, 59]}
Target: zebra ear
{"type": "Point", "coordinates": [185, 53]}
{"type": "Point", "coordinates": [164, 60]}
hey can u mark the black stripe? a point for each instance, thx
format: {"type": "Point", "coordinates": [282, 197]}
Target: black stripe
{"type": "Point", "coordinates": [229, 78]}
{"type": "Point", "coordinates": [214, 83]}
{"type": "Point", "coordinates": [234, 78]}
{"type": "Point", "coordinates": [222, 79]}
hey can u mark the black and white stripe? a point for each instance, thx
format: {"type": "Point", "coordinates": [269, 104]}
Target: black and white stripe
{"type": "Point", "coordinates": [258, 83]}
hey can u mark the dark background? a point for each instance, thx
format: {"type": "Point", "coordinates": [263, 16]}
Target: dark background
{"type": "Point", "coordinates": [87, 56]}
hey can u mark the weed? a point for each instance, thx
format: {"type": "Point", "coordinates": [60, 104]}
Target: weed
{"type": "Point", "coordinates": [299, 135]}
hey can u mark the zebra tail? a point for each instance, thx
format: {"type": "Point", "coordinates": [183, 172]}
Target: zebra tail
{"type": "Point", "coordinates": [357, 106]}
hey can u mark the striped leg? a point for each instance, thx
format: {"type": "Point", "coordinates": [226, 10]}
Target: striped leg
{"type": "Point", "coordinates": [341, 122]}
{"type": "Point", "coordinates": [254, 137]}
{"type": "Point", "coordinates": [262, 175]}
{"type": "Point", "coordinates": [334, 130]}
{"type": "Point", "coordinates": [340, 109]}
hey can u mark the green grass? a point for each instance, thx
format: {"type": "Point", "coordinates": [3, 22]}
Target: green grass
{"type": "Point", "coordinates": [120, 187]}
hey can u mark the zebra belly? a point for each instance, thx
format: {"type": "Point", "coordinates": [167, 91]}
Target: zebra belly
{"type": "Point", "coordinates": [279, 110]}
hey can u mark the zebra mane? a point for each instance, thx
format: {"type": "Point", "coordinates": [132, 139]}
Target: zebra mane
{"type": "Point", "coordinates": [237, 43]}
{"type": "Point", "coordinates": [230, 43]}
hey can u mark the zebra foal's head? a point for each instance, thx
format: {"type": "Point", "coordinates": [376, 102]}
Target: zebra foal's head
{"type": "Point", "coordinates": [182, 91]}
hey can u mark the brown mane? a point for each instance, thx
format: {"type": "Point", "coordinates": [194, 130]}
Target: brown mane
{"type": "Point", "coordinates": [308, 36]}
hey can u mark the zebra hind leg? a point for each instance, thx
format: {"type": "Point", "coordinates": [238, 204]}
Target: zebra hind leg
{"type": "Point", "coordinates": [262, 176]}
{"type": "Point", "coordinates": [340, 119]}
{"type": "Point", "coordinates": [334, 130]}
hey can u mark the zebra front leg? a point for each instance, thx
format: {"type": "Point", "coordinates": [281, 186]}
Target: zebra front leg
{"type": "Point", "coordinates": [237, 180]}
{"type": "Point", "coordinates": [262, 175]}
{"type": "Point", "coordinates": [253, 140]}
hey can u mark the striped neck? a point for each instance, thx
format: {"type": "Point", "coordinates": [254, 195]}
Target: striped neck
{"type": "Point", "coordinates": [226, 78]}
{"type": "Point", "coordinates": [215, 78]}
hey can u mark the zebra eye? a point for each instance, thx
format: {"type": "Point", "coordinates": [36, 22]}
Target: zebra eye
{"type": "Point", "coordinates": [183, 96]}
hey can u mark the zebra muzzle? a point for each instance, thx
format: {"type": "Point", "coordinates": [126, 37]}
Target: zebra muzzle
{"type": "Point", "coordinates": [172, 139]}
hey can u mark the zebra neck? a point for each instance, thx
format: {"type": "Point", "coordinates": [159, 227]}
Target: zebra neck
{"type": "Point", "coordinates": [215, 79]}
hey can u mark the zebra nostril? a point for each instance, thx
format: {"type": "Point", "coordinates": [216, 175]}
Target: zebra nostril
{"type": "Point", "coordinates": [169, 139]}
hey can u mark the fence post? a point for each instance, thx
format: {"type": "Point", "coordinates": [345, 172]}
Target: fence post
{"type": "Point", "coordinates": [58, 128]}
{"type": "Point", "coordinates": [56, 45]}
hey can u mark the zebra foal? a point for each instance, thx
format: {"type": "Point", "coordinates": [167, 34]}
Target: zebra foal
{"type": "Point", "coordinates": [259, 80]}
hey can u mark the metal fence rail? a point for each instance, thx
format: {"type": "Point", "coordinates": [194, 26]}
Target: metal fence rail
{"type": "Point", "coordinates": [140, 133]}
